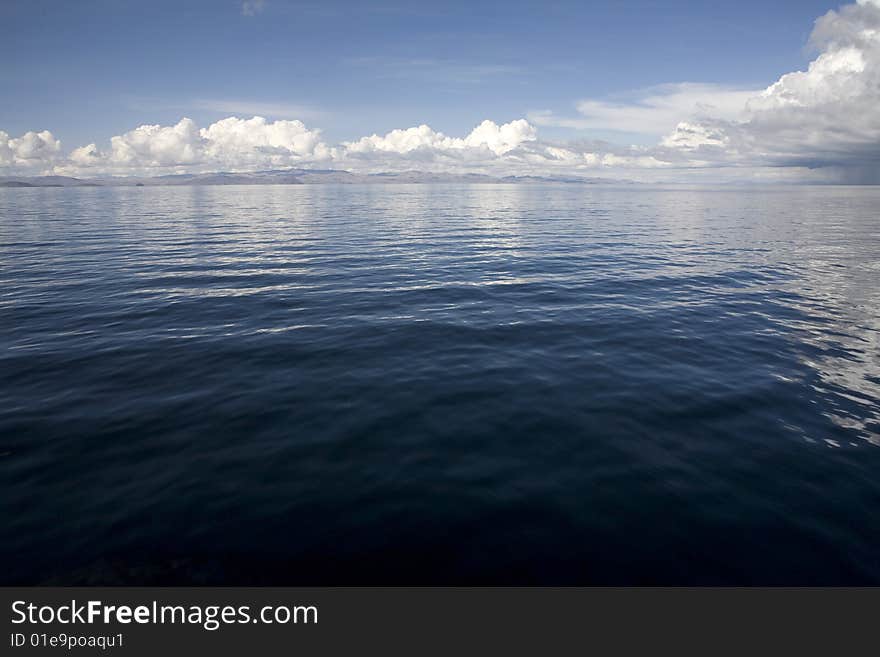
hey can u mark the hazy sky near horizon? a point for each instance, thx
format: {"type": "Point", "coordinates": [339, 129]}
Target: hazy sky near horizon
{"type": "Point", "coordinates": [574, 86]}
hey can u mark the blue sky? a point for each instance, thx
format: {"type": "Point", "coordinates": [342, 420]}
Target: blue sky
{"type": "Point", "coordinates": [664, 85]}
{"type": "Point", "coordinates": [91, 69]}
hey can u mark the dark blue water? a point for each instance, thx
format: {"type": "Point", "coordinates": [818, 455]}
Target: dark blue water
{"type": "Point", "coordinates": [440, 384]}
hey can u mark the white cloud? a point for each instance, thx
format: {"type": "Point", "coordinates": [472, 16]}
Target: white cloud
{"type": "Point", "coordinates": [498, 139]}
{"type": "Point", "coordinates": [692, 136]}
{"type": "Point", "coordinates": [252, 7]}
{"type": "Point", "coordinates": [508, 149]}
{"type": "Point", "coordinates": [33, 152]}
{"type": "Point", "coordinates": [239, 142]}
{"type": "Point", "coordinates": [501, 139]}
{"type": "Point", "coordinates": [824, 117]}
{"type": "Point", "coordinates": [230, 144]}
{"type": "Point", "coordinates": [6, 156]}
{"type": "Point", "coordinates": [153, 146]}
{"type": "Point", "coordinates": [86, 156]}
{"type": "Point", "coordinates": [654, 111]}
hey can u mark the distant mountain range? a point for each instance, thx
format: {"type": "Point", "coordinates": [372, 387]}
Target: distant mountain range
{"type": "Point", "coordinates": [291, 177]}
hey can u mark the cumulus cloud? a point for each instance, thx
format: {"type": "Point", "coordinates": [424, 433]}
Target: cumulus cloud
{"type": "Point", "coordinates": [824, 117]}
{"type": "Point", "coordinates": [498, 139]}
{"type": "Point", "coordinates": [241, 142]}
{"type": "Point", "coordinates": [150, 146]}
{"type": "Point", "coordinates": [32, 152]}
{"type": "Point", "coordinates": [232, 144]}
{"type": "Point", "coordinates": [237, 144]}
{"type": "Point", "coordinates": [503, 149]}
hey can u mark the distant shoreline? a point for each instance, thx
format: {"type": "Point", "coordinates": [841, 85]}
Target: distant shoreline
{"type": "Point", "coordinates": [294, 177]}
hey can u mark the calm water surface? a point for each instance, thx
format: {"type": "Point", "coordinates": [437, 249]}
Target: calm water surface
{"type": "Point", "coordinates": [440, 384]}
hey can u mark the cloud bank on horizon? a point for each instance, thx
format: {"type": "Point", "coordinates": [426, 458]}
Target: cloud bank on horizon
{"type": "Point", "coordinates": [819, 124]}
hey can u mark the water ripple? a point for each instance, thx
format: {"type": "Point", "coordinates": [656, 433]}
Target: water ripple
{"type": "Point", "coordinates": [441, 384]}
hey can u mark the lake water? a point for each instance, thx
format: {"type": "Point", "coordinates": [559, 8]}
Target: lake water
{"type": "Point", "coordinates": [456, 384]}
